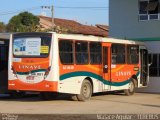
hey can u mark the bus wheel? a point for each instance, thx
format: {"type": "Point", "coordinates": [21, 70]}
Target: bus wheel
{"type": "Point", "coordinates": [86, 91]}
{"type": "Point", "coordinates": [74, 97]}
{"type": "Point", "coordinates": [131, 89]}
{"type": "Point", "coordinates": [48, 95]}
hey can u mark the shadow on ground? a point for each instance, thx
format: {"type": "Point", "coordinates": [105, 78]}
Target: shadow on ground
{"type": "Point", "coordinates": [36, 97]}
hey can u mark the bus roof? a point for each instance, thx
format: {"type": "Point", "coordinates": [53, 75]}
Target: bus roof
{"type": "Point", "coordinates": [82, 37]}
{"type": "Point", "coordinates": [97, 38]}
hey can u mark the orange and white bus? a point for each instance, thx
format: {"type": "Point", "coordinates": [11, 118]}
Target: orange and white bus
{"type": "Point", "coordinates": [76, 64]}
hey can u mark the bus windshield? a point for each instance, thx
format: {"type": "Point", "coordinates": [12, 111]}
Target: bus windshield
{"type": "Point", "coordinates": [31, 46]}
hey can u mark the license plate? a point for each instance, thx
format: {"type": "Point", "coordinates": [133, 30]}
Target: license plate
{"type": "Point", "coordinates": [30, 78]}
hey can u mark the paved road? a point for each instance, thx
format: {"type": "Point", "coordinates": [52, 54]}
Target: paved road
{"type": "Point", "coordinates": [104, 103]}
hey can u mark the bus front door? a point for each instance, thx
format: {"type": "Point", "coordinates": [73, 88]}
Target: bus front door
{"type": "Point", "coordinates": [106, 68]}
{"type": "Point", "coordinates": [144, 67]}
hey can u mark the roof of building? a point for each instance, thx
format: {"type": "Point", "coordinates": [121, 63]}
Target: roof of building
{"type": "Point", "coordinates": [75, 27]}
{"type": "Point", "coordinates": [104, 27]}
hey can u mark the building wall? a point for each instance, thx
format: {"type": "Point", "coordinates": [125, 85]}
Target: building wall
{"type": "Point", "coordinates": [124, 23]}
{"type": "Point", "coordinates": [153, 46]}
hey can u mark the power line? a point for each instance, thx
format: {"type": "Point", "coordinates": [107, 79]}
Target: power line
{"type": "Point", "coordinates": [17, 11]}
{"type": "Point", "coordinates": [59, 7]}
{"type": "Point", "coordinates": [103, 7]}
{"type": "Point", "coordinates": [82, 7]}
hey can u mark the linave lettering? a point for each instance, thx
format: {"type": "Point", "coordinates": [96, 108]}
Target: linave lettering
{"type": "Point", "coordinates": [32, 67]}
{"type": "Point", "coordinates": [123, 73]}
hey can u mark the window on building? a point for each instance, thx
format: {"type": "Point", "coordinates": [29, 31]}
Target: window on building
{"type": "Point", "coordinates": [81, 51]}
{"type": "Point", "coordinates": [118, 54]}
{"type": "Point", "coordinates": [154, 69]}
{"type": "Point", "coordinates": [66, 51]}
{"type": "Point", "coordinates": [148, 10]}
{"type": "Point", "coordinates": [133, 54]}
{"type": "Point", "coordinates": [95, 53]}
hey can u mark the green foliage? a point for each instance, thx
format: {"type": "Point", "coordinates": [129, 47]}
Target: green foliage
{"type": "Point", "coordinates": [23, 22]}
{"type": "Point", "coordinates": [2, 27]}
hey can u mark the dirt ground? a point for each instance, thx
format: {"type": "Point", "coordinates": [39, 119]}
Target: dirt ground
{"type": "Point", "coordinates": [105, 103]}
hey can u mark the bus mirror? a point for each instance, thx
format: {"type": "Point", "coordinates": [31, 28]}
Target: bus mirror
{"type": "Point", "coordinates": [149, 64]}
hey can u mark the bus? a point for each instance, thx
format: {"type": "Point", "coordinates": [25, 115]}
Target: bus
{"type": "Point", "coordinates": [4, 48]}
{"type": "Point", "coordinates": [80, 65]}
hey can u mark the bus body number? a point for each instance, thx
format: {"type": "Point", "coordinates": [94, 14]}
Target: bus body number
{"type": "Point", "coordinates": [68, 67]}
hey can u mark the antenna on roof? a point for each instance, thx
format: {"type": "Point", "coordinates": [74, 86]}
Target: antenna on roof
{"type": "Point", "coordinates": [43, 13]}
{"type": "Point", "coordinates": [44, 10]}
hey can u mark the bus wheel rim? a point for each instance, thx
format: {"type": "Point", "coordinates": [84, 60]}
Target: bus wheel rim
{"type": "Point", "coordinates": [131, 86]}
{"type": "Point", "coordinates": [86, 90]}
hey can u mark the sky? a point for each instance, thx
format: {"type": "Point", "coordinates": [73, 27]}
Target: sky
{"type": "Point", "coordinates": [88, 12]}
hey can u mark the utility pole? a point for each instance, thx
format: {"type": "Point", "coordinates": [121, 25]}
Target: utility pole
{"type": "Point", "coordinates": [52, 10]}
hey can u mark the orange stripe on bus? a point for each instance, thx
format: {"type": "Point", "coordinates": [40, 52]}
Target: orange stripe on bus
{"type": "Point", "coordinates": [117, 69]}
{"type": "Point", "coordinates": [34, 63]}
{"type": "Point", "coordinates": [19, 85]}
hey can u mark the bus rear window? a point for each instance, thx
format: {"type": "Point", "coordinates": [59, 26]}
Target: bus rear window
{"type": "Point", "coordinates": [31, 46]}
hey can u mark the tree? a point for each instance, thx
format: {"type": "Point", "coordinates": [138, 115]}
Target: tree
{"type": "Point", "coordinates": [2, 27]}
{"type": "Point", "coordinates": [23, 22]}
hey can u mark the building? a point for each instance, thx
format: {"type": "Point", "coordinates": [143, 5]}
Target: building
{"type": "Point", "coordinates": [71, 26]}
{"type": "Point", "coordinates": [139, 20]}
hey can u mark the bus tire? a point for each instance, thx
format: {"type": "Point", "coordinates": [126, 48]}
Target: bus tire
{"type": "Point", "coordinates": [131, 89]}
{"type": "Point", "coordinates": [86, 91]}
{"type": "Point", "coordinates": [74, 97]}
{"type": "Point", "coordinates": [48, 95]}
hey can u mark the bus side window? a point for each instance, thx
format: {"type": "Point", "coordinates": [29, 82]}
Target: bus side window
{"type": "Point", "coordinates": [118, 54]}
{"type": "Point", "coordinates": [66, 51]}
{"type": "Point", "coordinates": [113, 59]}
{"type": "Point", "coordinates": [95, 53]}
{"type": "Point", "coordinates": [81, 51]}
{"type": "Point", "coordinates": [133, 54]}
